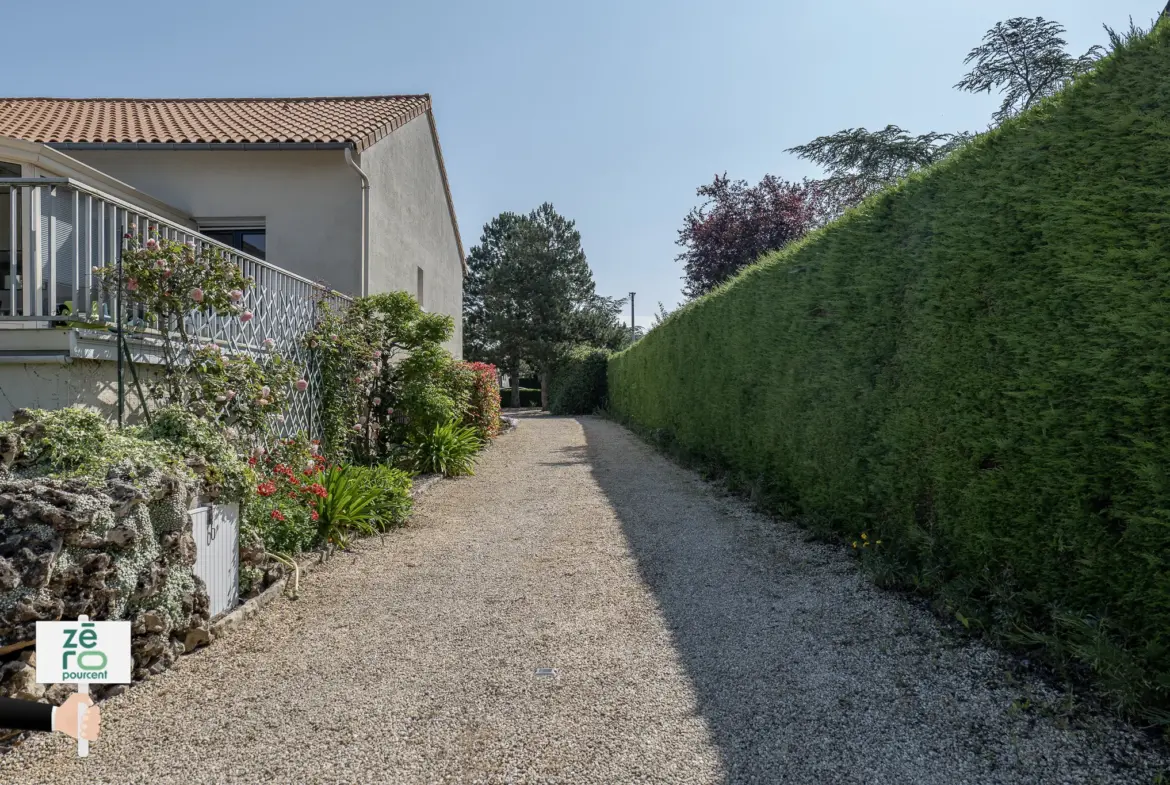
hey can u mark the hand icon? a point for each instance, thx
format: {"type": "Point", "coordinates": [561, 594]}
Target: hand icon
{"type": "Point", "coordinates": [65, 718]}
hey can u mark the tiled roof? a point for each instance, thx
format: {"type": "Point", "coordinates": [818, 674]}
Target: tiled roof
{"type": "Point", "coordinates": [361, 121]}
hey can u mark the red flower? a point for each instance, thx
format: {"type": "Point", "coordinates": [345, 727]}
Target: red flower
{"type": "Point", "coordinates": [314, 515]}
{"type": "Point", "coordinates": [277, 515]}
{"type": "Point", "coordinates": [266, 488]}
{"type": "Point", "coordinates": [317, 490]}
{"type": "Point", "coordinates": [252, 461]}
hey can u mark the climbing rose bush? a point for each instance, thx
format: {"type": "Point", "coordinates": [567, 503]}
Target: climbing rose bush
{"type": "Point", "coordinates": [170, 279]}
{"type": "Point", "coordinates": [246, 394]}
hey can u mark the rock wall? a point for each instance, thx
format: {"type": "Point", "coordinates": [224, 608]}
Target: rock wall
{"type": "Point", "coordinates": [121, 549]}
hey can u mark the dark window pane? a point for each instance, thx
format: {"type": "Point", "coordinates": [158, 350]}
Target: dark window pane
{"type": "Point", "coordinates": [253, 243]}
{"type": "Point", "coordinates": [9, 170]}
{"type": "Point", "coordinates": [223, 237]}
{"type": "Point", "coordinates": [250, 241]}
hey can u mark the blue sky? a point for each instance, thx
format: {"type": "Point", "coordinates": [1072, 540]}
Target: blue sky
{"type": "Point", "coordinates": [613, 111]}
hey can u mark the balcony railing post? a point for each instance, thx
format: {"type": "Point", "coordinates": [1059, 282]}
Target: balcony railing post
{"type": "Point", "coordinates": [82, 303]}
{"type": "Point", "coordinates": [15, 194]}
{"type": "Point", "coordinates": [32, 256]}
{"type": "Point", "coordinates": [51, 292]}
{"type": "Point", "coordinates": [75, 234]}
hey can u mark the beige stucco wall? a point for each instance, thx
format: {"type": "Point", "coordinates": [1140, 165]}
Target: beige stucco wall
{"type": "Point", "coordinates": [89, 383]}
{"type": "Point", "coordinates": [410, 223]}
{"type": "Point", "coordinates": [310, 199]}
{"type": "Point", "coordinates": [311, 203]}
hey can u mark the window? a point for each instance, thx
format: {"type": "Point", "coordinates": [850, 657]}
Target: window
{"type": "Point", "coordinates": [243, 234]}
{"type": "Point", "coordinates": [419, 290]}
{"type": "Point", "coordinates": [250, 241]}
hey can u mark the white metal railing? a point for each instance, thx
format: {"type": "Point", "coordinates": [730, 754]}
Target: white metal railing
{"type": "Point", "coordinates": [59, 230]}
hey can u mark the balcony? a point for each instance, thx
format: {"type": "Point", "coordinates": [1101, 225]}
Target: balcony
{"type": "Point", "coordinates": [55, 231]}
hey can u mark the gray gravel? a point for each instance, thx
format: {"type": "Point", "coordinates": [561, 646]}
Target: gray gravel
{"type": "Point", "coordinates": [694, 642]}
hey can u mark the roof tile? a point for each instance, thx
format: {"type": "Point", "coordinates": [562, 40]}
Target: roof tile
{"type": "Point", "coordinates": [357, 120]}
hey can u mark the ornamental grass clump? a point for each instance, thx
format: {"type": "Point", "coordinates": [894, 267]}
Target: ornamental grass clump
{"type": "Point", "coordinates": [447, 448]}
{"type": "Point", "coordinates": [348, 506]}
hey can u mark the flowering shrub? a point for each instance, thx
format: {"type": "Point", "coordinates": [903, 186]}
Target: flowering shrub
{"type": "Point", "coordinates": [171, 279]}
{"type": "Point", "coordinates": [281, 506]}
{"type": "Point", "coordinates": [381, 364]}
{"type": "Point", "coordinates": [483, 410]}
{"type": "Point", "coordinates": [237, 390]}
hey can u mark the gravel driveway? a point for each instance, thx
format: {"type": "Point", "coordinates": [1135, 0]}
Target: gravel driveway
{"type": "Point", "coordinates": [694, 641]}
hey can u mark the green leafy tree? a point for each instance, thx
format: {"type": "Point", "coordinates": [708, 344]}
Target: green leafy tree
{"type": "Point", "coordinates": [859, 162]}
{"type": "Point", "coordinates": [1025, 59]}
{"type": "Point", "coordinates": [532, 294]}
{"type": "Point", "coordinates": [598, 324]}
{"type": "Point", "coordinates": [482, 261]}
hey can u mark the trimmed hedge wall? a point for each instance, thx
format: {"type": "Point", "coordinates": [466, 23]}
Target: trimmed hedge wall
{"type": "Point", "coordinates": [528, 397]}
{"type": "Point", "coordinates": [578, 385]}
{"type": "Point", "coordinates": [973, 367]}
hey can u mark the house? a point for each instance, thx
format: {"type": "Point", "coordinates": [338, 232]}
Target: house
{"type": "Point", "coordinates": [348, 192]}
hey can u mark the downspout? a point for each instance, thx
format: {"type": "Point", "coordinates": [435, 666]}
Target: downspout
{"type": "Point", "coordinates": [365, 287]}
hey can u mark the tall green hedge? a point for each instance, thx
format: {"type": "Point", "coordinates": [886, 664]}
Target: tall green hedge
{"type": "Point", "coordinates": [973, 367]}
{"type": "Point", "coordinates": [579, 382]}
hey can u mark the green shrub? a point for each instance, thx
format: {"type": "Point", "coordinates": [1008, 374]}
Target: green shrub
{"type": "Point", "coordinates": [972, 368]}
{"type": "Point", "coordinates": [393, 504]}
{"type": "Point", "coordinates": [529, 396]}
{"type": "Point", "coordinates": [578, 385]}
{"type": "Point", "coordinates": [483, 409]}
{"type": "Point", "coordinates": [448, 449]}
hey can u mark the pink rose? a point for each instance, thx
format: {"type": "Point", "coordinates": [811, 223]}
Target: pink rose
{"type": "Point", "coordinates": [246, 317]}
{"type": "Point", "coordinates": [237, 295]}
{"type": "Point", "coordinates": [357, 428]}
{"type": "Point", "coordinates": [302, 384]}
{"type": "Point", "coordinates": [265, 391]}
{"type": "Point", "coordinates": [197, 294]}
{"type": "Point", "coordinates": [377, 353]}
{"type": "Point", "coordinates": [377, 401]}
{"type": "Point", "coordinates": [269, 343]}
{"type": "Point", "coordinates": [151, 244]}
{"type": "Point", "coordinates": [132, 284]}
